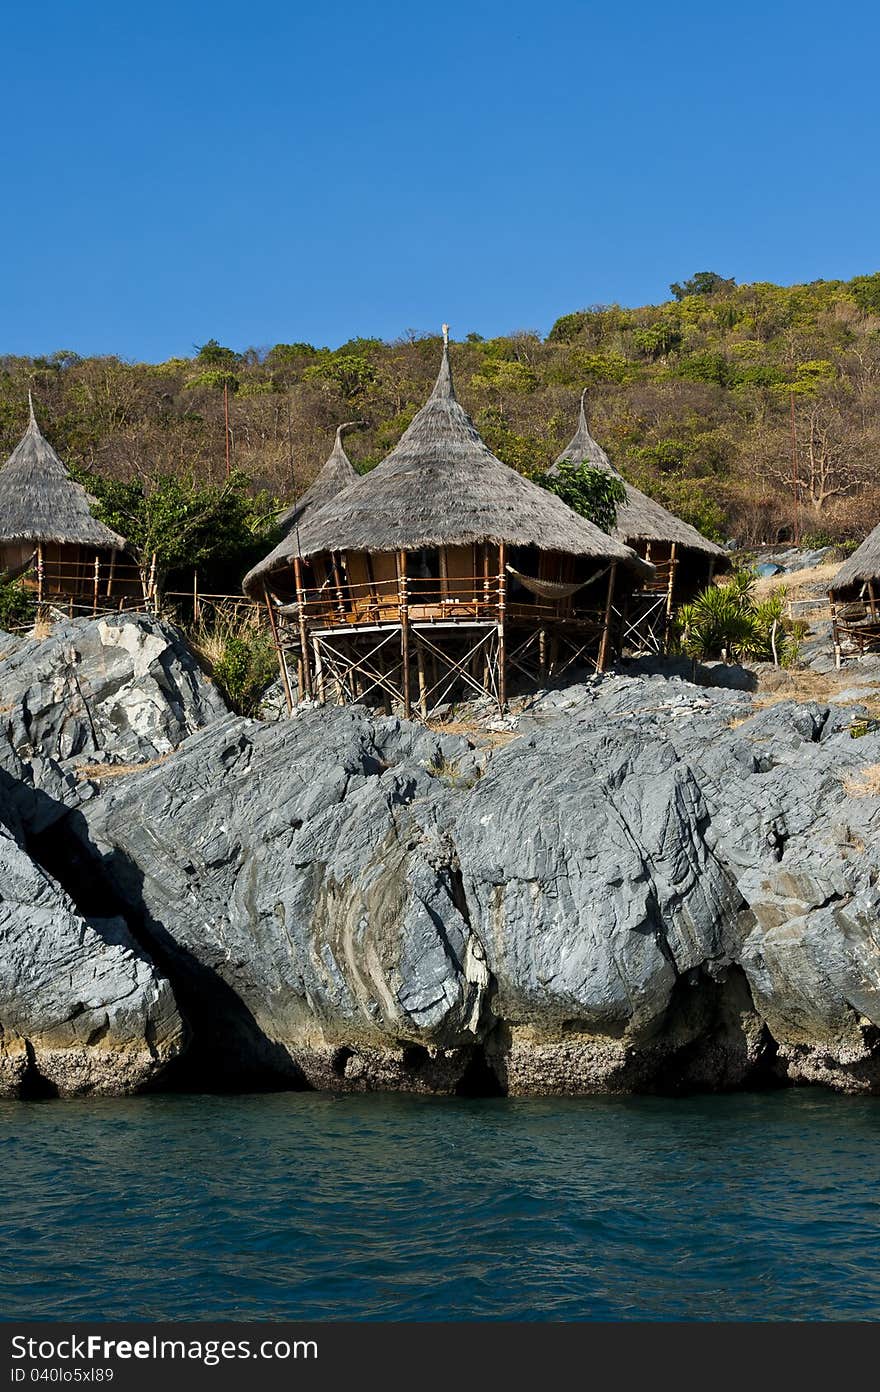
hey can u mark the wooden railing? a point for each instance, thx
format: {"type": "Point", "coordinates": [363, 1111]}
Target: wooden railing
{"type": "Point", "coordinates": [102, 585]}
{"type": "Point", "coordinates": [464, 599]}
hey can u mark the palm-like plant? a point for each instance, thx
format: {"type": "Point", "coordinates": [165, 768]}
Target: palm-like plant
{"type": "Point", "coordinates": [726, 621]}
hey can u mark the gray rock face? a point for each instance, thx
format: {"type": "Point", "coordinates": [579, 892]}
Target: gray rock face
{"type": "Point", "coordinates": [632, 883]}
{"type": "Point", "coordinates": [650, 885]}
{"type": "Point", "coordinates": [121, 689]}
{"type": "Point", "coordinates": [82, 1009]}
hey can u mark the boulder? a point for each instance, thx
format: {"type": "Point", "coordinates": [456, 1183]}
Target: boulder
{"type": "Point", "coordinates": [117, 689]}
{"type": "Point", "coordinates": [82, 1010]}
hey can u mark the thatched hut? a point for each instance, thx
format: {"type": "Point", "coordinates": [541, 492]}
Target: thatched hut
{"type": "Point", "coordinates": [445, 567]}
{"type": "Point", "coordinates": [855, 599]}
{"type": "Point", "coordinates": [336, 473]}
{"type": "Point", "coordinates": [683, 559]}
{"type": "Point", "coordinates": [49, 536]}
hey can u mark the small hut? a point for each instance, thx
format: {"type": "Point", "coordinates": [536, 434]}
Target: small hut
{"type": "Point", "coordinates": [683, 559]}
{"type": "Point", "coordinates": [49, 537]}
{"type": "Point", "coordinates": [336, 473]}
{"type": "Point", "coordinates": [855, 599]}
{"type": "Point", "coordinates": [441, 572]}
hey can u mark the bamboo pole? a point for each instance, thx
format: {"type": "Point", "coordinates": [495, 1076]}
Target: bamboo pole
{"type": "Point", "coordinates": [502, 606]}
{"type": "Point", "coordinates": [337, 582]}
{"type": "Point", "coordinates": [39, 572]}
{"type": "Point", "coordinates": [606, 630]}
{"type": "Point", "coordinates": [404, 632]}
{"type": "Point", "coordinates": [282, 665]}
{"type": "Point", "coordinates": [423, 685]}
{"type": "Point", "coordinates": [97, 581]}
{"type": "Point", "coordinates": [319, 671]}
{"type": "Point", "coordinates": [151, 583]}
{"type": "Point", "coordinates": [872, 599]}
{"type": "Point", "coordinates": [673, 563]}
{"type": "Point", "coordinates": [113, 555]}
{"type": "Point", "coordinates": [303, 631]}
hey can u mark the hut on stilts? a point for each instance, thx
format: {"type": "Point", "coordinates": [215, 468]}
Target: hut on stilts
{"type": "Point", "coordinates": [855, 600]}
{"type": "Point", "coordinates": [441, 573]}
{"type": "Point", "coordinates": [684, 560]}
{"type": "Point", "coordinates": [50, 539]}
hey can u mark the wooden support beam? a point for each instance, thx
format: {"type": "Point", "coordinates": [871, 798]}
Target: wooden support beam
{"type": "Point", "coordinates": [95, 583]}
{"type": "Point", "coordinates": [404, 631]}
{"type": "Point", "coordinates": [423, 685]}
{"type": "Point", "coordinates": [337, 582]}
{"type": "Point", "coordinates": [673, 563]}
{"type": "Point", "coordinates": [113, 555]}
{"type": "Point", "coordinates": [282, 665]}
{"type": "Point", "coordinates": [319, 670]}
{"type": "Point", "coordinates": [872, 599]}
{"type": "Point", "coordinates": [502, 607]}
{"type": "Point", "coordinates": [40, 572]}
{"type": "Point", "coordinates": [303, 630]}
{"type": "Point", "coordinates": [606, 628]}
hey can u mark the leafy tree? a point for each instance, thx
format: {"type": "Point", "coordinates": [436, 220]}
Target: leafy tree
{"type": "Point", "coordinates": [185, 523]}
{"type": "Point", "coordinates": [213, 354]}
{"type": "Point", "coordinates": [349, 373]}
{"type": "Point", "coordinates": [703, 283]}
{"type": "Point", "coordinates": [866, 292]}
{"type": "Point", "coordinates": [592, 492]}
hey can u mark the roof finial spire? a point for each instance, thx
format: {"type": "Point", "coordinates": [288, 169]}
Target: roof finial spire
{"type": "Point", "coordinates": [583, 416]}
{"type": "Point", "coordinates": [443, 388]}
{"type": "Point", "coordinates": [32, 420]}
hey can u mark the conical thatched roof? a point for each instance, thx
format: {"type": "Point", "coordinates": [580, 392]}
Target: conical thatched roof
{"type": "Point", "coordinates": [337, 473]}
{"type": "Point", "coordinates": [862, 566]}
{"type": "Point", "coordinates": [639, 518]}
{"type": "Point", "coordinates": [442, 486]}
{"type": "Point", "coordinates": [39, 501]}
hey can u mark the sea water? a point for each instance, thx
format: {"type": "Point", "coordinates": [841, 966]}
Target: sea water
{"type": "Point", "coordinates": [303, 1205]}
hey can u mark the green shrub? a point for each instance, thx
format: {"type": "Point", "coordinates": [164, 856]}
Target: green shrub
{"type": "Point", "coordinates": [239, 654]}
{"type": "Point", "coordinates": [17, 605]}
{"type": "Point", "coordinates": [726, 621]}
{"type": "Point", "coordinates": [593, 493]}
{"type": "Point", "coordinates": [248, 666]}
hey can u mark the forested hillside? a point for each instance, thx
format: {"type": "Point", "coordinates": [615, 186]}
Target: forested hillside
{"type": "Point", "coordinates": [691, 398]}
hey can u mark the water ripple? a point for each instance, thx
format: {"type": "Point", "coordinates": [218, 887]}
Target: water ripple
{"type": "Point", "coordinates": [305, 1206]}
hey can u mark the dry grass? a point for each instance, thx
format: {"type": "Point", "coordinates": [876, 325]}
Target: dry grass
{"type": "Point", "coordinates": [864, 782]}
{"type": "Point", "coordinates": [41, 629]}
{"type": "Point", "coordinates": [796, 582]}
{"type": "Point", "coordinates": [101, 772]}
{"type": "Point", "coordinates": [482, 738]}
{"type": "Point", "coordinates": [210, 635]}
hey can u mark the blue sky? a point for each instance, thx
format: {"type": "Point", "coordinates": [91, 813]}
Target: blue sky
{"type": "Point", "coordinates": [290, 171]}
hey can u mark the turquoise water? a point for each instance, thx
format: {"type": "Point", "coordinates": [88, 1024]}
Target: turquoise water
{"type": "Point", "coordinates": [763, 1206]}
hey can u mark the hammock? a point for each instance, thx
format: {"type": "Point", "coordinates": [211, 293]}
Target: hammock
{"type": "Point", "coordinates": [552, 589]}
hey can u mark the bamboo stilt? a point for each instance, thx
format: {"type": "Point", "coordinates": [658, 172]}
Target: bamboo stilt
{"type": "Point", "coordinates": [95, 584]}
{"type": "Point", "coordinates": [303, 630]}
{"type": "Point", "coordinates": [502, 606]}
{"type": "Point", "coordinates": [319, 670]}
{"type": "Point", "coordinates": [404, 632]}
{"type": "Point", "coordinates": [423, 686]}
{"type": "Point", "coordinates": [282, 665]}
{"type": "Point", "coordinates": [606, 629]}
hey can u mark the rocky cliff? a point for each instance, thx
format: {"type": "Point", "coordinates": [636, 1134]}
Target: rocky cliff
{"type": "Point", "coordinates": [640, 883]}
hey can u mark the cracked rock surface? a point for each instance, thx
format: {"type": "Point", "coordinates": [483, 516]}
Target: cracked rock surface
{"type": "Point", "coordinates": [635, 883]}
